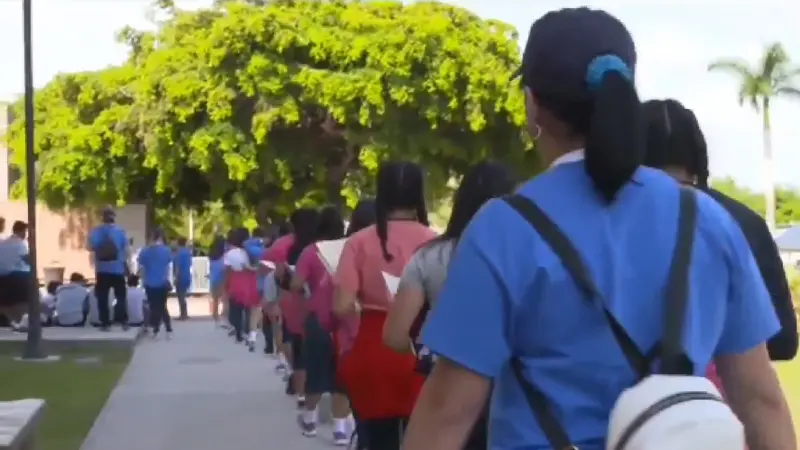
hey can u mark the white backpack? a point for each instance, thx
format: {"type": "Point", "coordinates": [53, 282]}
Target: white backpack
{"type": "Point", "coordinates": [667, 410]}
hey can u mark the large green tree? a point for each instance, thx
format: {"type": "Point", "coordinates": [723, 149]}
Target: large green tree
{"type": "Point", "coordinates": [775, 76]}
{"type": "Point", "coordinates": [275, 105]}
{"type": "Point", "coordinates": [299, 99]}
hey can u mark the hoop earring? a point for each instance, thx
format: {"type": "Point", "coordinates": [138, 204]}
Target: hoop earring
{"type": "Point", "coordinates": [538, 132]}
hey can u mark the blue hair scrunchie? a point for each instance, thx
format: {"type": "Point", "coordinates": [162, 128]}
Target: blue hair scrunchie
{"type": "Point", "coordinates": [602, 65]}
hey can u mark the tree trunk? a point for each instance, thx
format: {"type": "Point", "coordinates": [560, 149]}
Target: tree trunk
{"type": "Point", "coordinates": [769, 174]}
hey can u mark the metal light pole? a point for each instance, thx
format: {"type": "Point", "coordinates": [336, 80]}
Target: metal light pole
{"type": "Point", "coordinates": [33, 345]}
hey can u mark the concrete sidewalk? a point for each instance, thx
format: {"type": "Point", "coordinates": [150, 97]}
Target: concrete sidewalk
{"type": "Point", "coordinates": [200, 391]}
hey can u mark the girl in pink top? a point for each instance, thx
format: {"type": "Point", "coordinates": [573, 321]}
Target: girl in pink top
{"type": "Point", "coordinates": [277, 253]}
{"type": "Point", "coordinates": [312, 276]}
{"type": "Point", "coordinates": [292, 305]}
{"type": "Point", "coordinates": [381, 383]}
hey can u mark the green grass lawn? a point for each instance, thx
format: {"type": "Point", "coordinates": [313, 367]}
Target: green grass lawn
{"type": "Point", "coordinates": [789, 374]}
{"type": "Point", "coordinates": [75, 393]}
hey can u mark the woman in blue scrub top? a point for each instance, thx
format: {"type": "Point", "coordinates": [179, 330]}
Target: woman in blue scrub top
{"type": "Point", "coordinates": [507, 294]}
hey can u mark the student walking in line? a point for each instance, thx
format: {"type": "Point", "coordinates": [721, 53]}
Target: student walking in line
{"type": "Point", "coordinates": [154, 266]}
{"type": "Point", "coordinates": [513, 319]}
{"type": "Point", "coordinates": [182, 274]}
{"type": "Point", "coordinates": [311, 275]}
{"type": "Point", "coordinates": [277, 254]}
{"type": "Point", "coordinates": [425, 273]}
{"type": "Point", "coordinates": [241, 283]}
{"type": "Point", "coordinates": [675, 144]}
{"type": "Point", "coordinates": [305, 222]}
{"type": "Point", "coordinates": [215, 277]}
{"type": "Point", "coordinates": [108, 243]}
{"type": "Point", "coordinates": [382, 384]}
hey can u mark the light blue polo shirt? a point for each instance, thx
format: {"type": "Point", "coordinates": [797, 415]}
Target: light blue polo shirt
{"type": "Point", "coordinates": [507, 294]}
{"type": "Point", "coordinates": [154, 261]}
{"type": "Point", "coordinates": [120, 239]}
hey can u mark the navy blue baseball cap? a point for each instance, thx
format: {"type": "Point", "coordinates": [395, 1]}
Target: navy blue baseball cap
{"type": "Point", "coordinates": [569, 50]}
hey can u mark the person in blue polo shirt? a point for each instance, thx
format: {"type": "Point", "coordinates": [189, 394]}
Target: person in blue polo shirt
{"type": "Point", "coordinates": [508, 295]}
{"type": "Point", "coordinates": [182, 271]}
{"type": "Point", "coordinates": [154, 266]}
{"type": "Point", "coordinates": [108, 243]}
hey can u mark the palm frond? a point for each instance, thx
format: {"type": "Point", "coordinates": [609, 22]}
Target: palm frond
{"type": "Point", "coordinates": [736, 67]}
{"type": "Point", "coordinates": [788, 91]}
{"type": "Point", "coordinates": [774, 61]}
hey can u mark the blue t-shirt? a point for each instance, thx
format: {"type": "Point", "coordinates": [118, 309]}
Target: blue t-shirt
{"type": "Point", "coordinates": [182, 266]}
{"type": "Point", "coordinates": [507, 294]}
{"type": "Point", "coordinates": [119, 237]}
{"type": "Point", "coordinates": [255, 249]}
{"type": "Point", "coordinates": [154, 261]}
{"type": "Point", "coordinates": [216, 272]}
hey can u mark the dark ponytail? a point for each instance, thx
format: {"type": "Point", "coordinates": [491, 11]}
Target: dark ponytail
{"type": "Point", "coordinates": [700, 150]}
{"type": "Point", "coordinates": [305, 222]}
{"type": "Point", "coordinates": [382, 228]}
{"type": "Point", "coordinates": [615, 138]}
{"type": "Point", "coordinates": [400, 186]}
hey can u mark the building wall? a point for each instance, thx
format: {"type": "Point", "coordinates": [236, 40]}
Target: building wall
{"type": "Point", "coordinates": [61, 236]}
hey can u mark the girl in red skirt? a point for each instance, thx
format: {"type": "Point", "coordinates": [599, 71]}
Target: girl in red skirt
{"type": "Point", "coordinates": [382, 384]}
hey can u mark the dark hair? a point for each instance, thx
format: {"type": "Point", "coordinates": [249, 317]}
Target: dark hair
{"type": "Point", "coordinates": [400, 186]}
{"type": "Point", "coordinates": [19, 227]}
{"type": "Point", "coordinates": [304, 223]}
{"type": "Point", "coordinates": [181, 241]}
{"type": "Point", "coordinates": [108, 215]}
{"type": "Point", "coordinates": [258, 232]}
{"type": "Point", "coordinates": [331, 224]}
{"type": "Point", "coordinates": [52, 286]}
{"type": "Point", "coordinates": [76, 277]}
{"type": "Point", "coordinates": [579, 66]}
{"type": "Point", "coordinates": [362, 216]}
{"type": "Point", "coordinates": [133, 280]}
{"type": "Point", "coordinates": [217, 248]}
{"type": "Point", "coordinates": [284, 228]}
{"type": "Point", "coordinates": [483, 182]}
{"type": "Point", "coordinates": [237, 236]}
{"type": "Point", "coordinates": [157, 234]}
{"type": "Point", "coordinates": [674, 138]}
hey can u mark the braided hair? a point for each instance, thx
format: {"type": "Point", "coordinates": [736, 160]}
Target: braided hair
{"type": "Point", "coordinates": [400, 186]}
{"type": "Point", "coordinates": [674, 138]}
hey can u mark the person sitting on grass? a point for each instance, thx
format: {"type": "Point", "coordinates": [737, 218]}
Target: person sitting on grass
{"type": "Point", "coordinates": [72, 302]}
{"type": "Point", "coordinates": [136, 302]}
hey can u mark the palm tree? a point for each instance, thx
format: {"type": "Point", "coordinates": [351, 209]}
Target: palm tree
{"type": "Point", "coordinates": [774, 77]}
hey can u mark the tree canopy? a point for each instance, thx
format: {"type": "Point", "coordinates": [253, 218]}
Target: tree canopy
{"type": "Point", "coordinates": [280, 104]}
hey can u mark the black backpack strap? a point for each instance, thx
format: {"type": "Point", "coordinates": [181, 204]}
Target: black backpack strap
{"type": "Point", "coordinates": [550, 232]}
{"type": "Point", "coordinates": [674, 360]}
{"type": "Point", "coordinates": [563, 248]}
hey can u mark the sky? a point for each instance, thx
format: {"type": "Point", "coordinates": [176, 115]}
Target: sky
{"type": "Point", "coordinates": [675, 40]}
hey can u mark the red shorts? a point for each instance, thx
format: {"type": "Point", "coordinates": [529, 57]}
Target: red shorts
{"type": "Point", "coordinates": [380, 382]}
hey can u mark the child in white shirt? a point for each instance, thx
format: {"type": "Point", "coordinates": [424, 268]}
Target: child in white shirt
{"type": "Point", "coordinates": [137, 302]}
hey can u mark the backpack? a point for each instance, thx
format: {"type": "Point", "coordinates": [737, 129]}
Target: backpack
{"type": "Point", "coordinates": [107, 250]}
{"type": "Point", "coordinates": [668, 409]}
